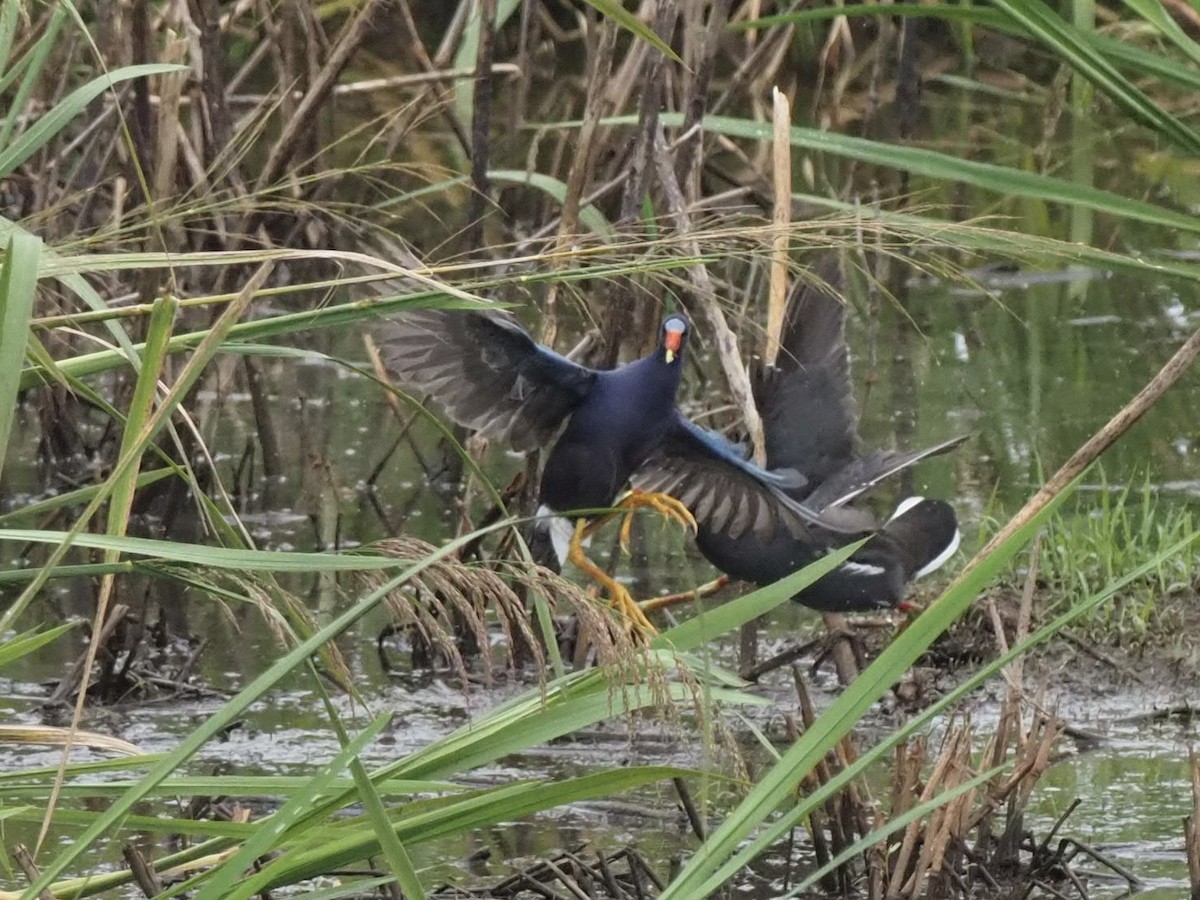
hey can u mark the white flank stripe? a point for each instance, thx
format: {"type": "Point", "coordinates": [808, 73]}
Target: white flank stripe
{"type": "Point", "coordinates": [863, 568]}
{"type": "Point", "coordinates": [941, 558]}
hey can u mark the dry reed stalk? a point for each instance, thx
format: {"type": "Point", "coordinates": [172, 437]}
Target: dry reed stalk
{"type": "Point", "coordinates": [481, 116]}
{"type": "Point", "coordinates": [781, 167]}
{"type": "Point", "coordinates": [703, 63]}
{"type": "Point", "coordinates": [724, 338]}
{"type": "Point", "coordinates": [595, 108]}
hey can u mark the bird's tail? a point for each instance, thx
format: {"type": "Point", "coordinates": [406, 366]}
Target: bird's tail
{"type": "Point", "coordinates": [926, 531]}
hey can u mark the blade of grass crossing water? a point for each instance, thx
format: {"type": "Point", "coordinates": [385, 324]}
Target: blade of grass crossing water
{"type": "Point", "coordinates": [18, 287]}
{"type": "Point", "coordinates": [710, 623]}
{"type": "Point", "coordinates": [219, 884]}
{"type": "Point", "coordinates": [944, 167]}
{"type": "Point", "coordinates": [389, 842]}
{"type": "Point", "coordinates": [13, 648]}
{"type": "Point", "coordinates": [714, 862]}
{"type": "Point", "coordinates": [237, 705]}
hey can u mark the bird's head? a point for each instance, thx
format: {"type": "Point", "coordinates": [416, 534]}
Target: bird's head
{"type": "Point", "coordinates": [674, 335]}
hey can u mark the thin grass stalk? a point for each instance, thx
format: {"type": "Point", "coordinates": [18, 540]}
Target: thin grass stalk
{"type": "Point", "coordinates": [187, 378]}
{"type": "Point", "coordinates": [18, 289]}
{"type": "Point", "coordinates": [122, 491]}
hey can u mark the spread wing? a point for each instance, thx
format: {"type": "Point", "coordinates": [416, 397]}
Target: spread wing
{"type": "Point", "coordinates": [810, 420]}
{"type": "Point", "coordinates": [728, 494]}
{"type": "Point", "coordinates": [486, 371]}
{"type": "Point", "coordinates": [863, 474]}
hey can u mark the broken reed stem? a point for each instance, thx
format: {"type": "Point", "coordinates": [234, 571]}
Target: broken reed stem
{"type": "Point", "coordinates": [781, 165]}
{"type": "Point", "coordinates": [1191, 831]}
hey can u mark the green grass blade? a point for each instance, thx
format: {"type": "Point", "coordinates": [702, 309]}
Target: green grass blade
{"type": "Point", "coordinates": [1152, 11]}
{"type": "Point", "coordinates": [75, 497]}
{"type": "Point", "coordinates": [18, 287]}
{"type": "Point", "coordinates": [424, 821]}
{"type": "Point", "coordinates": [13, 648]}
{"type": "Point", "coordinates": [467, 56]}
{"type": "Point", "coordinates": [1139, 61]}
{"type": "Point", "coordinates": [54, 121]}
{"type": "Point", "coordinates": [1067, 42]}
{"type": "Point", "coordinates": [9, 15]}
{"type": "Point", "coordinates": [209, 556]}
{"type": "Point", "coordinates": [710, 623]}
{"type": "Point", "coordinates": [941, 166]}
{"type": "Point", "coordinates": [615, 10]}
{"type": "Point", "coordinates": [32, 63]}
{"type": "Point", "coordinates": [34, 786]}
{"type": "Point", "coordinates": [589, 215]}
{"type": "Point", "coordinates": [220, 884]}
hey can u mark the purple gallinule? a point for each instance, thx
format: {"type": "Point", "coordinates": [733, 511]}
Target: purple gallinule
{"type": "Point", "coordinates": [810, 427]}
{"type": "Point", "coordinates": [490, 375]}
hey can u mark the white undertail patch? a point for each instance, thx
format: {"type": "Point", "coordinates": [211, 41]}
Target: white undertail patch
{"type": "Point", "coordinates": [561, 531]}
{"type": "Point", "coordinates": [905, 505]}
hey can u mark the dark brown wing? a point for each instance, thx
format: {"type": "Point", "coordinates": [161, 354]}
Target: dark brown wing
{"type": "Point", "coordinates": [863, 474]}
{"type": "Point", "coordinates": [810, 420]}
{"type": "Point", "coordinates": [728, 494]}
{"type": "Point", "coordinates": [486, 371]}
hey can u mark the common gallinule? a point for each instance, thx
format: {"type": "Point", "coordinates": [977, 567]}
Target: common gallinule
{"type": "Point", "coordinates": [490, 375]}
{"type": "Point", "coordinates": [810, 427]}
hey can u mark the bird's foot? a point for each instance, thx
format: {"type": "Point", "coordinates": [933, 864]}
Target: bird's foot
{"type": "Point", "coordinates": [622, 601]}
{"type": "Point", "coordinates": [663, 504]}
{"type": "Point", "coordinates": [619, 597]}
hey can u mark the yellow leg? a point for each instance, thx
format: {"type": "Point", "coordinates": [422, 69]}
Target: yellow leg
{"type": "Point", "coordinates": [664, 504]}
{"type": "Point", "coordinates": [618, 595]}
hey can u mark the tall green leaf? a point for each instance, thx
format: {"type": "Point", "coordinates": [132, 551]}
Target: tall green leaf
{"type": "Point", "coordinates": [18, 286]}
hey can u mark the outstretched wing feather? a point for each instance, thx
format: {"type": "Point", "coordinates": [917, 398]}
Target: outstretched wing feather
{"type": "Point", "coordinates": [486, 371]}
{"type": "Point", "coordinates": [726, 493]}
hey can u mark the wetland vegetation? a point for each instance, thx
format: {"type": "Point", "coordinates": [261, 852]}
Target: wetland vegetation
{"type": "Point", "coordinates": [266, 626]}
